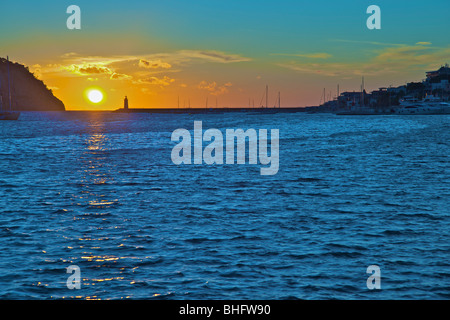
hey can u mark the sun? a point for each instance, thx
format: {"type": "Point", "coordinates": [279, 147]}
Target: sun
{"type": "Point", "coordinates": [95, 96]}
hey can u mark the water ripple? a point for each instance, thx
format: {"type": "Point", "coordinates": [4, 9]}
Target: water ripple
{"type": "Point", "coordinates": [98, 190]}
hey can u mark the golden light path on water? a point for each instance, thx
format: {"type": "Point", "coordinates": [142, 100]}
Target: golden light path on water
{"type": "Point", "coordinates": [95, 172]}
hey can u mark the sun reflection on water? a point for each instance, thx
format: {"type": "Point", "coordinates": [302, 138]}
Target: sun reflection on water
{"type": "Point", "coordinates": [96, 168]}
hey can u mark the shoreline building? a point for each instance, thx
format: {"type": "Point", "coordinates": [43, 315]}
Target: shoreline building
{"type": "Point", "coordinates": [437, 84]}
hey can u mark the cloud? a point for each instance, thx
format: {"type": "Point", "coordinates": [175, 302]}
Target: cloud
{"type": "Point", "coordinates": [385, 61]}
{"type": "Point", "coordinates": [88, 69]}
{"type": "Point", "coordinates": [406, 53]}
{"type": "Point", "coordinates": [146, 90]}
{"type": "Point", "coordinates": [155, 64]}
{"type": "Point", "coordinates": [69, 54]}
{"type": "Point", "coordinates": [207, 86]}
{"type": "Point", "coordinates": [183, 57]}
{"type": "Point", "coordinates": [410, 57]}
{"type": "Point", "coordinates": [125, 67]}
{"type": "Point", "coordinates": [75, 58]}
{"type": "Point", "coordinates": [317, 55]}
{"type": "Point", "coordinates": [39, 70]}
{"type": "Point", "coordinates": [328, 69]}
{"type": "Point", "coordinates": [161, 82]}
{"type": "Point", "coordinates": [219, 91]}
{"type": "Point", "coordinates": [424, 43]}
{"type": "Point", "coordinates": [120, 76]}
{"type": "Point", "coordinates": [213, 88]}
{"type": "Point", "coordinates": [77, 64]}
{"type": "Point", "coordinates": [96, 69]}
{"type": "Point", "coordinates": [92, 70]}
{"type": "Point", "coordinates": [36, 69]}
{"type": "Point", "coordinates": [373, 43]}
{"type": "Point", "coordinates": [213, 56]}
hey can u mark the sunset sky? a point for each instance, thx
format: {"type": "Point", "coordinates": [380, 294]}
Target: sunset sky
{"type": "Point", "coordinates": [157, 51]}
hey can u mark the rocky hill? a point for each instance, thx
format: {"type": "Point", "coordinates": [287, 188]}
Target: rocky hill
{"type": "Point", "coordinates": [27, 92]}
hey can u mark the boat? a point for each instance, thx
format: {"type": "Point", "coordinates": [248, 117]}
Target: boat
{"type": "Point", "coordinates": [408, 101]}
{"type": "Point", "coordinates": [359, 108]}
{"type": "Point", "coordinates": [429, 105]}
{"type": "Point", "coordinates": [14, 115]}
{"type": "Point", "coordinates": [6, 112]}
{"type": "Point", "coordinates": [358, 112]}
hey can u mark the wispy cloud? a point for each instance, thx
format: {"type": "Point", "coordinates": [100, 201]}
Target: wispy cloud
{"type": "Point", "coordinates": [385, 61]}
{"type": "Point", "coordinates": [324, 69]}
{"type": "Point", "coordinates": [424, 43]}
{"type": "Point", "coordinates": [96, 69]}
{"type": "Point", "coordinates": [155, 81]}
{"type": "Point", "coordinates": [373, 43]}
{"type": "Point", "coordinates": [317, 55]}
{"type": "Point", "coordinates": [213, 88]}
{"type": "Point", "coordinates": [410, 57]}
{"type": "Point", "coordinates": [213, 56]}
{"type": "Point", "coordinates": [120, 76]}
{"type": "Point", "coordinates": [125, 67]}
{"type": "Point", "coordinates": [76, 58]}
{"type": "Point", "coordinates": [87, 69]}
{"type": "Point", "coordinates": [154, 64]}
{"type": "Point", "coordinates": [184, 57]}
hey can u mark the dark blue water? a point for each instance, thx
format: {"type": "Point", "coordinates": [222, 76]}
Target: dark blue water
{"type": "Point", "coordinates": [99, 190]}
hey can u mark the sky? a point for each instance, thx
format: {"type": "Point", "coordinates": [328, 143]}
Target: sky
{"type": "Point", "coordinates": [189, 53]}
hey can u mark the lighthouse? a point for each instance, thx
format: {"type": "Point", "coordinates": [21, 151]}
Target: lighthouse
{"type": "Point", "coordinates": [125, 103]}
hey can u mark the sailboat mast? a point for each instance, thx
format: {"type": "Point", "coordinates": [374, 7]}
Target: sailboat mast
{"type": "Point", "coordinates": [9, 84]}
{"type": "Point", "coordinates": [1, 95]}
{"type": "Point", "coordinates": [279, 100]}
{"type": "Point", "coordinates": [362, 91]}
{"type": "Point", "coordinates": [267, 96]}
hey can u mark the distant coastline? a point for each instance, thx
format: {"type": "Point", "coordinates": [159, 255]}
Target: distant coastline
{"type": "Point", "coordinates": [211, 110]}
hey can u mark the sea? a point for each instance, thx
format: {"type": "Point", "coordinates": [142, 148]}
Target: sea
{"type": "Point", "coordinates": [99, 192]}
